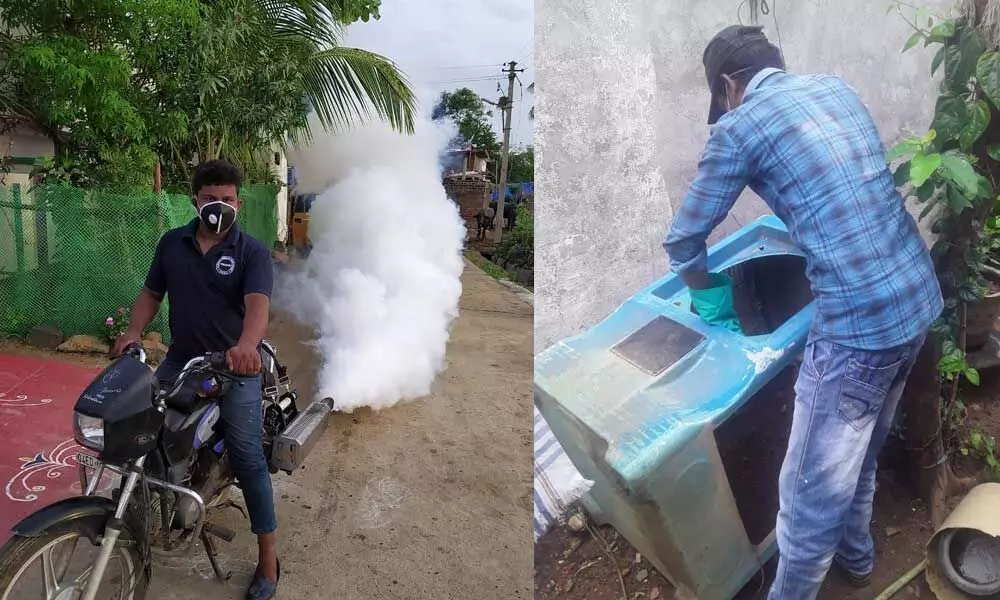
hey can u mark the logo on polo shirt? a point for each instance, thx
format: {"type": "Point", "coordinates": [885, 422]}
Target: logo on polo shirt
{"type": "Point", "coordinates": [225, 265]}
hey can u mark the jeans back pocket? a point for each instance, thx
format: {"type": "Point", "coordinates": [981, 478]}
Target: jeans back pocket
{"type": "Point", "coordinates": [863, 390]}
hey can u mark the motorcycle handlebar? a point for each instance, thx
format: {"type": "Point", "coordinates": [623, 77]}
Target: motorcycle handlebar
{"type": "Point", "coordinates": [217, 360]}
{"type": "Point", "coordinates": [135, 350]}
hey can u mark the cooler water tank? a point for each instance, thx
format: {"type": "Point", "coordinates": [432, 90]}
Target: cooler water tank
{"type": "Point", "coordinates": [682, 426]}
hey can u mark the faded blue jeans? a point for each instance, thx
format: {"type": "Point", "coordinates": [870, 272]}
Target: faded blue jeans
{"type": "Point", "coordinates": [243, 432]}
{"type": "Point", "coordinates": [845, 400]}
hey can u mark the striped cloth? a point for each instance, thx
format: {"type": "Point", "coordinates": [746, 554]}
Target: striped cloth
{"type": "Point", "coordinates": [557, 482]}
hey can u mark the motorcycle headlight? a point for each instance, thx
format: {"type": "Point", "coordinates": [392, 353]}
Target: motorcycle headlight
{"type": "Point", "coordinates": [89, 431]}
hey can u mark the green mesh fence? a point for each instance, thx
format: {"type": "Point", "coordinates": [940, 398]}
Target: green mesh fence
{"type": "Point", "coordinates": [71, 257]}
{"type": "Point", "coordinates": [259, 215]}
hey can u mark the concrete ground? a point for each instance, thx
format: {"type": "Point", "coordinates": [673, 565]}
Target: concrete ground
{"type": "Point", "coordinates": [429, 499]}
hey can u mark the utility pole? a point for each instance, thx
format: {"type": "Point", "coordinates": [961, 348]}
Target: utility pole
{"type": "Point", "coordinates": [506, 104]}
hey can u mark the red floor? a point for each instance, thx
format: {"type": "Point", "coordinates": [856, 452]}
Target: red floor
{"type": "Point", "coordinates": [37, 452]}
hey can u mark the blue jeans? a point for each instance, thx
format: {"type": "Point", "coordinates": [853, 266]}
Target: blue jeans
{"type": "Point", "coordinates": [242, 427]}
{"type": "Point", "coordinates": [845, 400]}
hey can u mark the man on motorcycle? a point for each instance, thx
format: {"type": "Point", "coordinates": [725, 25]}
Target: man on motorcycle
{"type": "Point", "coordinates": [219, 281]}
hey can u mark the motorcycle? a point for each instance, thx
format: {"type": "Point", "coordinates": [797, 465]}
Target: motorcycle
{"type": "Point", "coordinates": [165, 445]}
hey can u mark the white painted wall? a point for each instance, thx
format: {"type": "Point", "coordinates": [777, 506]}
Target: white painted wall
{"type": "Point", "coordinates": [25, 142]}
{"type": "Point", "coordinates": [622, 104]}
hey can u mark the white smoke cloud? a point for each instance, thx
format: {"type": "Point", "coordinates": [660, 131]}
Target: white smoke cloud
{"type": "Point", "coordinates": [382, 284]}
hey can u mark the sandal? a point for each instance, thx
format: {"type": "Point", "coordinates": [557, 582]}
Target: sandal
{"type": "Point", "coordinates": [261, 588]}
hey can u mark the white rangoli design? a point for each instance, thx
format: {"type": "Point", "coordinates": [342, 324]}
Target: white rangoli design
{"type": "Point", "coordinates": [26, 484]}
{"type": "Point", "coordinates": [22, 400]}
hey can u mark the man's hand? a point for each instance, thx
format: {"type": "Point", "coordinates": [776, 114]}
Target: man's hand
{"type": "Point", "coordinates": [696, 279]}
{"type": "Point", "coordinates": [129, 337]}
{"type": "Point", "coordinates": [243, 360]}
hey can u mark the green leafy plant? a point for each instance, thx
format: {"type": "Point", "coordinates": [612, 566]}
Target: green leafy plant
{"type": "Point", "coordinates": [956, 415]}
{"type": "Point", "coordinates": [521, 167]}
{"type": "Point", "coordinates": [518, 248]}
{"type": "Point", "coordinates": [984, 447]}
{"type": "Point", "coordinates": [992, 244]}
{"type": "Point", "coordinates": [117, 324]}
{"type": "Point", "coordinates": [953, 363]}
{"type": "Point", "coordinates": [952, 171]}
{"type": "Point", "coordinates": [47, 170]}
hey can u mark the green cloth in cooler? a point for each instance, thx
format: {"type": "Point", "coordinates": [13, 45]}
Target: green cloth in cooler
{"type": "Point", "coordinates": [715, 303]}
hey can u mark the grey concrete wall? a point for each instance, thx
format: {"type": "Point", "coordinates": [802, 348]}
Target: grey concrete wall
{"type": "Point", "coordinates": [620, 125]}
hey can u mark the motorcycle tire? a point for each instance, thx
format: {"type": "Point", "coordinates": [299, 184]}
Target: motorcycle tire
{"type": "Point", "coordinates": [19, 553]}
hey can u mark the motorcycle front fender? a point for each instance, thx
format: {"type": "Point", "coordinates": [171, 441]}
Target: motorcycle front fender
{"type": "Point", "coordinates": [90, 508]}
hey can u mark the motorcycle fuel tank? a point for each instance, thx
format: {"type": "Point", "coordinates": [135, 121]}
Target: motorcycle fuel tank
{"type": "Point", "coordinates": [121, 396]}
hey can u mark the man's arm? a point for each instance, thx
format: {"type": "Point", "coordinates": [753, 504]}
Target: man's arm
{"type": "Point", "coordinates": [258, 283]}
{"type": "Point", "coordinates": [144, 310]}
{"type": "Point", "coordinates": [258, 307]}
{"type": "Point", "coordinates": [147, 304]}
{"type": "Point", "coordinates": [723, 173]}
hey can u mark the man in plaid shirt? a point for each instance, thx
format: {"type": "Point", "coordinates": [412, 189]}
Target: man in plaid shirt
{"type": "Point", "coordinates": [808, 147]}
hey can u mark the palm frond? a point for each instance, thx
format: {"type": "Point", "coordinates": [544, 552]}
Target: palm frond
{"type": "Point", "coordinates": [340, 11]}
{"type": "Point", "coordinates": [349, 83]}
{"type": "Point", "coordinates": [304, 19]}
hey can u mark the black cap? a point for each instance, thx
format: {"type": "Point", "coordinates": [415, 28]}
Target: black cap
{"type": "Point", "coordinates": [736, 48]}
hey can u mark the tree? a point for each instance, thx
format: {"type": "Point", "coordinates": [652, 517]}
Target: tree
{"type": "Point", "coordinates": [464, 108]}
{"type": "Point", "coordinates": [256, 73]}
{"type": "Point", "coordinates": [521, 167]}
{"type": "Point", "coordinates": [117, 82]}
{"type": "Point", "coordinates": [73, 74]}
{"type": "Point", "coordinates": [344, 11]}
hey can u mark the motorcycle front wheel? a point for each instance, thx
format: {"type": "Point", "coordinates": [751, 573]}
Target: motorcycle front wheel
{"type": "Point", "coordinates": [56, 564]}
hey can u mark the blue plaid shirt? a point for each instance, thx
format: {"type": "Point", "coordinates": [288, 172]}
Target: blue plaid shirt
{"type": "Point", "coordinates": [807, 145]}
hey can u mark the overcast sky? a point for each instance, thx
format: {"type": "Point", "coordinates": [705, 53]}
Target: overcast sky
{"type": "Point", "coordinates": [444, 45]}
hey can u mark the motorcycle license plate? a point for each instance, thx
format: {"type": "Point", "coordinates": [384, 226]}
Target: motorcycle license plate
{"type": "Point", "coordinates": [88, 460]}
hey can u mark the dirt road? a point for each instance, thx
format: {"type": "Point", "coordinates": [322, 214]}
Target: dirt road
{"type": "Point", "coordinates": [430, 499]}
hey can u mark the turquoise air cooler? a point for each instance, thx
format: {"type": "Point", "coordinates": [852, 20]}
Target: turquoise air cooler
{"type": "Point", "coordinates": [682, 425]}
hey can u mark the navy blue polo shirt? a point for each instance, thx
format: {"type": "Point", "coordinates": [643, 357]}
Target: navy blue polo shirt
{"type": "Point", "coordinates": [206, 291]}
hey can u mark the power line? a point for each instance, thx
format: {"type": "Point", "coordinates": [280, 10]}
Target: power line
{"type": "Point", "coordinates": [494, 65]}
{"type": "Point", "coordinates": [766, 9]}
{"type": "Point", "coordinates": [464, 80]}
{"type": "Point", "coordinates": [762, 7]}
{"type": "Point", "coordinates": [526, 45]}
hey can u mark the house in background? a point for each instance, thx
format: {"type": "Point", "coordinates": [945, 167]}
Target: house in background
{"type": "Point", "coordinates": [22, 144]}
{"type": "Point", "coordinates": [469, 161]}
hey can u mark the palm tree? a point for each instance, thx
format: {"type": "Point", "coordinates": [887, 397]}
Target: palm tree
{"type": "Point", "coordinates": [291, 51]}
{"type": "Point", "coordinates": [255, 67]}
{"type": "Point", "coordinates": [343, 83]}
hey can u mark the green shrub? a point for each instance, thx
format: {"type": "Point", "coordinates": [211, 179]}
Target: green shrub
{"type": "Point", "coordinates": [517, 249]}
